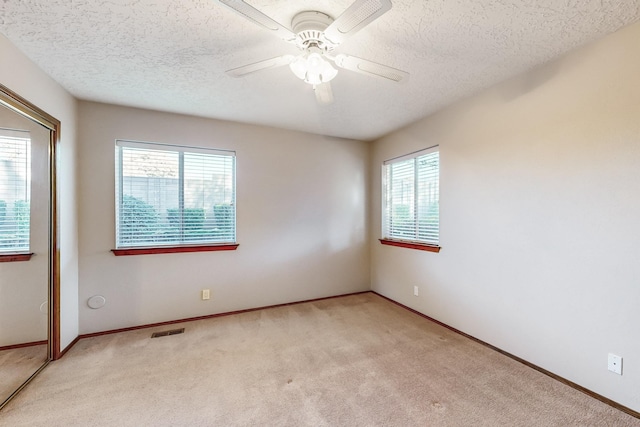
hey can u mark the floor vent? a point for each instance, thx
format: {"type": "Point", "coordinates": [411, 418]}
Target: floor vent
{"type": "Point", "coordinates": [167, 333]}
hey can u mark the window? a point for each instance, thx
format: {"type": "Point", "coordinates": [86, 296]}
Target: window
{"type": "Point", "coordinates": [411, 198]}
{"type": "Point", "coordinates": [169, 195]}
{"type": "Point", "coordinates": [15, 191]}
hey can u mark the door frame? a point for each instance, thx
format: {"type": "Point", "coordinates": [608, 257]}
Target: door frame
{"type": "Point", "coordinates": [21, 106]}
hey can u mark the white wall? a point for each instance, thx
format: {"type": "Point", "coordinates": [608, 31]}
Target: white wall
{"type": "Point", "coordinates": [23, 77]}
{"type": "Point", "coordinates": [540, 217]}
{"type": "Point", "coordinates": [301, 222]}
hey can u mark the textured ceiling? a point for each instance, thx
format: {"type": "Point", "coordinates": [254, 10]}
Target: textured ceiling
{"type": "Point", "coordinates": [171, 55]}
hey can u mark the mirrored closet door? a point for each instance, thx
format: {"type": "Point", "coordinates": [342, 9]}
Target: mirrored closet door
{"type": "Point", "coordinates": [27, 244]}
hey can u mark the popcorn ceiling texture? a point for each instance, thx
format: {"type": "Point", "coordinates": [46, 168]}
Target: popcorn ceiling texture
{"type": "Point", "coordinates": [171, 55]}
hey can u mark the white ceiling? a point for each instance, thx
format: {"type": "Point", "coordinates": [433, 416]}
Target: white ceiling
{"type": "Point", "coordinates": [171, 55]}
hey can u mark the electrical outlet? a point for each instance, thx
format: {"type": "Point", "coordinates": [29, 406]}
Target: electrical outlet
{"type": "Point", "coordinates": [206, 294]}
{"type": "Point", "coordinates": [416, 292]}
{"type": "Point", "coordinates": [615, 364]}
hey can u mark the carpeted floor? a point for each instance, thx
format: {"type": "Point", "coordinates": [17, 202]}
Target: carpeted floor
{"type": "Point", "coordinates": [350, 361]}
{"type": "Point", "coordinates": [18, 364]}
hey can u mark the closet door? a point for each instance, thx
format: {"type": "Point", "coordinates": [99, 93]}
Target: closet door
{"type": "Point", "coordinates": [27, 218]}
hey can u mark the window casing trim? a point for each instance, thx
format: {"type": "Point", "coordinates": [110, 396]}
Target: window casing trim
{"type": "Point", "coordinates": [182, 244]}
{"type": "Point", "coordinates": [15, 196]}
{"type": "Point", "coordinates": [160, 146]}
{"type": "Point", "coordinates": [388, 230]}
{"type": "Point", "coordinates": [412, 155]}
{"type": "Point", "coordinates": [15, 257]}
{"type": "Point", "coordinates": [428, 247]}
{"type": "Point", "coordinates": [174, 249]}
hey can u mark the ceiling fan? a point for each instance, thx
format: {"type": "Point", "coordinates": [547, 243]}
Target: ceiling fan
{"type": "Point", "coordinates": [317, 34]}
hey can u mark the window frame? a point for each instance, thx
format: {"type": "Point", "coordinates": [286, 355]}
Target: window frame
{"type": "Point", "coordinates": [387, 237]}
{"type": "Point", "coordinates": [172, 246]}
{"type": "Point", "coordinates": [22, 252]}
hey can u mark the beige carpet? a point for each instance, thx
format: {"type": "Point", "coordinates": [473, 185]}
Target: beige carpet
{"type": "Point", "coordinates": [18, 364]}
{"type": "Point", "coordinates": [352, 361]}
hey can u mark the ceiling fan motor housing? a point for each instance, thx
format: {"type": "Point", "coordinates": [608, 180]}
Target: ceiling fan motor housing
{"type": "Point", "coordinates": [309, 27]}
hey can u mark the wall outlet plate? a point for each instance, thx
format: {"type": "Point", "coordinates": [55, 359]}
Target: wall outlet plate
{"type": "Point", "coordinates": [615, 364]}
{"type": "Point", "coordinates": [206, 294]}
{"type": "Point", "coordinates": [416, 291]}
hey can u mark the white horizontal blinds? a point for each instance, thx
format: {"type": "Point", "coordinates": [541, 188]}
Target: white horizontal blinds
{"type": "Point", "coordinates": [169, 195]}
{"type": "Point", "coordinates": [428, 199]}
{"type": "Point", "coordinates": [411, 197]}
{"type": "Point", "coordinates": [147, 193]}
{"type": "Point", "coordinates": [209, 198]}
{"type": "Point", "coordinates": [15, 191]}
{"type": "Point", "coordinates": [401, 212]}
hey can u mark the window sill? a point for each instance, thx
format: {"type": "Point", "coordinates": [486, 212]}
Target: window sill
{"type": "Point", "coordinates": [15, 257]}
{"type": "Point", "coordinates": [411, 245]}
{"type": "Point", "coordinates": [174, 249]}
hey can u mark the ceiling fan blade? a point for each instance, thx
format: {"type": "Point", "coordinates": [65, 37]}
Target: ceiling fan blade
{"type": "Point", "coordinates": [261, 65]}
{"type": "Point", "coordinates": [324, 94]}
{"type": "Point", "coordinates": [357, 16]}
{"type": "Point", "coordinates": [254, 15]}
{"type": "Point", "coordinates": [371, 68]}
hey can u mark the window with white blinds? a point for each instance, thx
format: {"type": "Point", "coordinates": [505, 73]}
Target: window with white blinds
{"type": "Point", "coordinates": [169, 195]}
{"type": "Point", "coordinates": [15, 191]}
{"type": "Point", "coordinates": [411, 197]}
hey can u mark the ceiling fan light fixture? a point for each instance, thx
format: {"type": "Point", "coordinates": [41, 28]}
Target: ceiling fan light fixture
{"type": "Point", "coordinates": [313, 68]}
{"type": "Point", "coordinates": [317, 34]}
{"type": "Point", "coordinates": [299, 66]}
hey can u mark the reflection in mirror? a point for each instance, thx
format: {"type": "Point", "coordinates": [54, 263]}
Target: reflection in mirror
{"type": "Point", "coordinates": [24, 249]}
